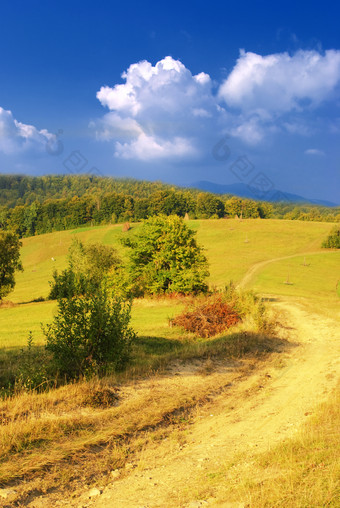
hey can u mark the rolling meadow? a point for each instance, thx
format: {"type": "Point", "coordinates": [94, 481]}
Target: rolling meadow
{"type": "Point", "coordinates": [232, 247]}
{"type": "Point", "coordinates": [100, 441]}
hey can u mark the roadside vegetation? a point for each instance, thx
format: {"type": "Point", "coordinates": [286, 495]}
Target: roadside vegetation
{"type": "Point", "coordinates": [215, 313]}
{"type": "Point", "coordinates": [81, 430]}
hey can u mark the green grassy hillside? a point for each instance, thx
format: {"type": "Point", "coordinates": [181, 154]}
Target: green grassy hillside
{"type": "Point", "coordinates": [313, 276]}
{"type": "Point", "coordinates": [65, 440]}
{"type": "Point", "coordinates": [232, 247]}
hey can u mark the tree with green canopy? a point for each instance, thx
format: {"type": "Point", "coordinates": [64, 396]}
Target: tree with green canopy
{"type": "Point", "coordinates": [9, 261]}
{"type": "Point", "coordinates": [165, 258]}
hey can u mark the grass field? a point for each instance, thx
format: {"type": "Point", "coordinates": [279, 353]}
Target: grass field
{"type": "Point", "coordinates": [75, 441]}
{"type": "Point", "coordinates": [314, 276]}
{"type": "Point", "coordinates": [232, 248]}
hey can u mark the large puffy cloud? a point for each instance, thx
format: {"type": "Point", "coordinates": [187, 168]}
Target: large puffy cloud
{"type": "Point", "coordinates": [278, 83]}
{"type": "Point", "coordinates": [160, 111]}
{"type": "Point", "coordinates": [273, 93]}
{"type": "Point", "coordinates": [166, 112]}
{"type": "Point", "coordinates": [16, 136]}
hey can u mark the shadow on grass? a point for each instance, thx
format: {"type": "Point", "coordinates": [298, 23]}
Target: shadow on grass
{"type": "Point", "coordinates": [156, 353]}
{"type": "Point", "coordinates": [9, 364]}
{"type": "Point", "coordinates": [16, 362]}
{"type": "Point", "coordinates": [157, 345]}
{"type": "Point", "coordinates": [151, 354]}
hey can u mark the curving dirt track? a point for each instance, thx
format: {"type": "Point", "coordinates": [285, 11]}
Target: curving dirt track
{"type": "Point", "coordinates": [255, 414]}
{"type": "Point", "coordinates": [257, 266]}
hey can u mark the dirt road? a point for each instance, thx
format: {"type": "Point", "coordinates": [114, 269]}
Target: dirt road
{"type": "Point", "coordinates": [258, 266]}
{"type": "Point", "coordinates": [254, 415]}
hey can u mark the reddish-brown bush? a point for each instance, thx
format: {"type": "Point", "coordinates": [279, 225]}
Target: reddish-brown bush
{"type": "Point", "coordinates": [126, 227]}
{"type": "Point", "coordinates": [208, 318]}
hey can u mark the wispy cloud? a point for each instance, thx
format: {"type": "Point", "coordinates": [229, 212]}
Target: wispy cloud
{"type": "Point", "coordinates": [315, 151]}
{"type": "Point", "coordinates": [16, 136]}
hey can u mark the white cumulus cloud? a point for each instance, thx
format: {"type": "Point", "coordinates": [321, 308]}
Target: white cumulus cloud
{"type": "Point", "coordinates": [166, 112]}
{"type": "Point", "coordinates": [16, 136]}
{"type": "Point", "coordinates": [160, 111]}
{"type": "Point", "coordinates": [279, 83]}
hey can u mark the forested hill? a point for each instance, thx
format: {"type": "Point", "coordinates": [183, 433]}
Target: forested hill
{"type": "Point", "coordinates": [35, 205]}
{"type": "Point", "coordinates": [24, 190]}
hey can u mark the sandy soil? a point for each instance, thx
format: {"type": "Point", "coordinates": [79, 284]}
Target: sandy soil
{"type": "Point", "coordinates": [252, 416]}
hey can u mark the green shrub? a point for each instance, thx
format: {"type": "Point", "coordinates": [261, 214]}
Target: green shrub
{"type": "Point", "coordinates": [88, 265]}
{"type": "Point", "coordinates": [67, 284]}
{"type": "Point", "coordinates": [9, 261]}
{"type": "Point", "coordinates": [333, 240]}
{"type": "Point", "coordinates": [90, 333]}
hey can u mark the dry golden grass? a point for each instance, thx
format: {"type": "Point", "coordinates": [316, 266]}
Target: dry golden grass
{"type": "Point", "coordinates": [302, 472]}
{"type": "Point", "coordinates": [73, 432]}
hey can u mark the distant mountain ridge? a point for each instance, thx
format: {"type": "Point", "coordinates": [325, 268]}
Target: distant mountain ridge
{"type": "Point", "coordinates": [245, 191]}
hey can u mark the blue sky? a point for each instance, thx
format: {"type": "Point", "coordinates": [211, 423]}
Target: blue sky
{"type": "Point", "coordinates": [148, 89]}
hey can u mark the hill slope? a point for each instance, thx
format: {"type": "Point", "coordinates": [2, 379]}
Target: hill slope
{"type": "Point", "coordinates": [188, 431]}
{"type": "Point", "coordinates": [245, 191]}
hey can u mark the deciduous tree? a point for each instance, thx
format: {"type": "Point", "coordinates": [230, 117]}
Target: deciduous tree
{"type": "Point", "coordinates": [165, 258]}
{"type": "Point", "coordinates": [9, 261]}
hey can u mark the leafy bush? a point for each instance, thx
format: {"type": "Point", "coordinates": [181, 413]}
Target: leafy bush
{"type": "Point", "coordinates": [98, 259]}
{"type": "Point", "coordinates": [88, 265]}
{"type": "Point", "coordinates": [67, 284]}
{"type": "Point", "coordinates": [209, 317]}
{"type": "Point", "coordinates": [90, 333]}
{"type": "Point", "coordinates": [333, 240]}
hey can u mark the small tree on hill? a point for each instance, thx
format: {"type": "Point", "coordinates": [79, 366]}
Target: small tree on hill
{"type": "Point", "coordinates": [88, 264]}
{"type": "Point", "coordinates": [9, 261]}
{"type": "Point", "coordinates": [165, 258]}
